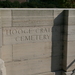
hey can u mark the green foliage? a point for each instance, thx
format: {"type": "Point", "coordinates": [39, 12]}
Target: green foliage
{"type": "Point", "coordinates": [16, 4]}
{"type": "Point", "coordinates": [39, 4]}
{"type": "Point", "coordinates": [5, 4]}
{"type": "Point", "coordinates": [24, 5]}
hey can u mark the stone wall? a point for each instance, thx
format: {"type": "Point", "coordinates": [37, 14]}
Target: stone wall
{"type": "Point", "coordinates": [69, 41]}
{"type": "Point", "coordinates": [32, 41]}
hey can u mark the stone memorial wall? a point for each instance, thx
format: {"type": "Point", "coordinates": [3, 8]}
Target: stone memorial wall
{"type": "Point", "coordinates": [69, 43]}
{"type": "Point", "coordinates": [35, 41]}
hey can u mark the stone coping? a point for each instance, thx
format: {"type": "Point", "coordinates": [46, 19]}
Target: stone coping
{"type": "Point", "coordinates": [37, 9]}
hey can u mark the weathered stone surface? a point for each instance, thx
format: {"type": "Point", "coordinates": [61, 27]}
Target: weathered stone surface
{"type": "Point", "coordinates": [71, 17]}
{"type": "Point", "coordinates": [33, 13]}
{"type": "Point", "coordinates": [58, 17]}
{"type": "Point", "coordinates": [18, 35]}
{"type": "Point", "coordinates": [31, 51]}
{"type": "Point", "coordinates": [70, 63]}
{"type": "Point", "coordinates": [32, 21]}
{"type": "Point", "coordinates": [71, 48]}
{"type": "Point", "coordinates": [70, 60]}
{"type": "Point", "coordinates": [6, 53]}
{"type": "Point", "coordinates": [71, 13]}
{"type": "Point", "coordinates": [33, 41]}
{"type": "Point", "coordinates": [32, 18]}
{"type": "Point", "coordinates": [9, 68]}
{"type": "Point", "coordinates": [71, 30]}
{"type": "Point", "coordinates": [71, 33]}
{"type": "Point", "coordinates": [69, 52]}
{"type": "Point", "coordinates": [67, 73]}
{"type": "Point", "coordinates": [2, 68]}
{"type": "Point", "coordinates": [71, 21]}
{"type": "Point", "coordinates": [6, 18]}
{"type": "Point", "coordinates": [57, 12]}
{"type": "Point", "coordinates": [1, 37]}
{"type": "Point", "coordinates": [48, 73]}
{"type": "Point", "coordinates": [0, 23]}
{"type": "Point", "coordinates": [29, 67]}
{"type": "Point", "coordinates": [0, 20]}
{"type": "Point", "coordinates": [71, 37]}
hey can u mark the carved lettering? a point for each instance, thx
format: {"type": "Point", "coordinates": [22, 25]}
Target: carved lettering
{"type": "Point", "coordinates": [23, 31]}
{"type": "Point", "coordinates": [32, 37]}
{"type": "Point", "coordinates": [23, 34]}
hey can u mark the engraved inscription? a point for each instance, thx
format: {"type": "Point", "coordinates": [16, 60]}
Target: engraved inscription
{"type": "Point", "coordinates": [21, 30]}
{"type": "Point", "coordinates": [32, 37]}
{"type": "Point", "coordinates": [26, 34]}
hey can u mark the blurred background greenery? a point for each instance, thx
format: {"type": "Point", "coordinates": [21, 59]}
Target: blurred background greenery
{"type": "Point", "coordinates": [38, 4]}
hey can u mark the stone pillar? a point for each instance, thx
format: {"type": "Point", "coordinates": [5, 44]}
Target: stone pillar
{"type": "Point", "coordinates": [69, 43]}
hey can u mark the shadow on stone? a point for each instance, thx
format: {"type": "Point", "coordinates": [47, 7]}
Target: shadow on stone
{"type": "Point", "coordinates": [57, 43]}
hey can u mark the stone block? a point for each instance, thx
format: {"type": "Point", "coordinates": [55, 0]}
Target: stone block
{"type": "Point", "coordinates": [11, 65]}
{"type": "Point", "coordinates": [6, 18]}
{"type": "Point", "coordinates": [0, 52]}
{"type": "Point", "coordinates": [6, 53]}
{"type": "Point", "coordinates": [32, 21]}
{"type": "Point", "coordinates": [58, 12]}
{"type": "Point", "coordinates": [71, 37]}
{"type": "Point", "coordinates": [69, 33]}
{"type": "Point", "coordinates": [71, 30]}
{"type": "Point", "coordinates": [0, 23]}
{"type": "Point", "coordinates": [71, 48]}
{"type": "Point", "coordinates": [48, 73]}
{"type": "Point", "coordinates": [32, 17]}
{"type": "Point", "coordinates": [71, 20]}
{"type": "Point", "coordinates": [31, 50]}
{"type": "Point", "coordinates": [71, 68]}
{"type": "Point", "coordinates": [19, 35]}
{"type": "Point", "coordinates": [0, 20]}
{"type": "Point", "coordinates": [70, 60]}
{"type": "Point", "coordinates": [0, 13]}
{"type": "Point", "coordinates": [67, 73]}
{"type": "Point", "coordinates": [9, 68]}
{"type": "Point", "coordinates": [1, 37]}
{"type": "Point", "coordinates": [33, 13]}
{"type": "Point", "coordinates": [0, 73]}
{"type": "Point", "coordinates": [71, 13]}
{"type": "Point", "coordinates": [69, 56]}
{"type": "Point", "coordinates": [70, 63]}
{"type": "Point", "coordinates": [5, 13]}
{"type": "Point", "coordinates": [30, 67]}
